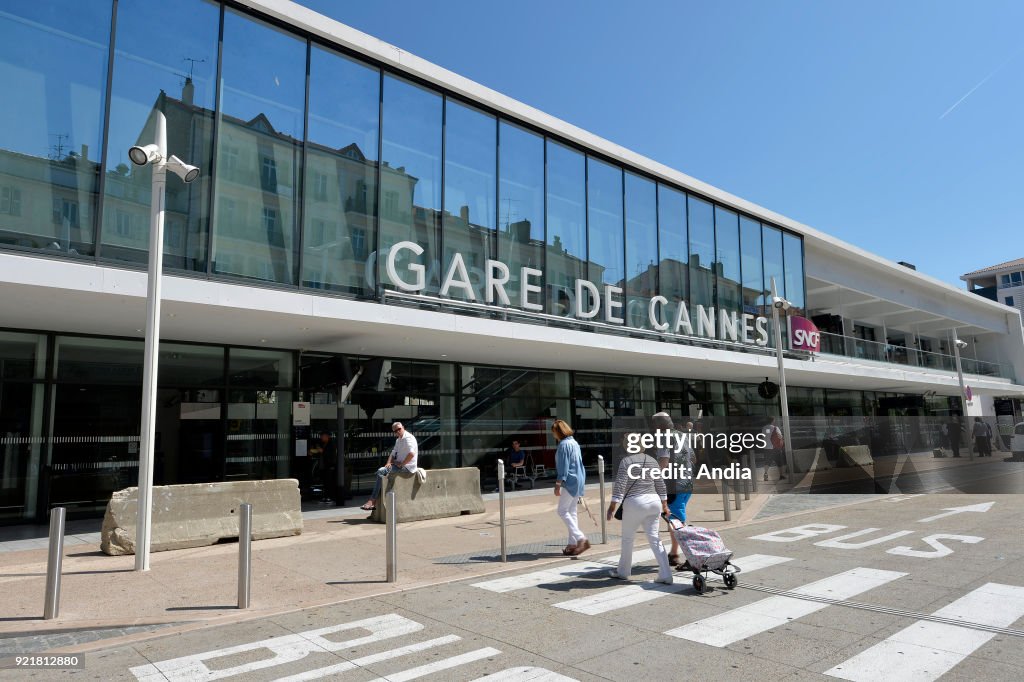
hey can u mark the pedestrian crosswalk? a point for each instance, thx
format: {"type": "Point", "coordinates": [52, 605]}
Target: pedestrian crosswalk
{"type": "Point", "coordinates": [928, 649]}
{"type": "Point", "coordinates": [761, 616]}
{"type": "Point", "coordinates": [921, 652]}
{"type": "Point", "coordinates": [638, 593]}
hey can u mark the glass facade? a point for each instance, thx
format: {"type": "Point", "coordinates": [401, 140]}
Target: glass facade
{"type": "Point", "coordinates": [69, 427]}
{"type": "Point", "coordinates": [340, 184]}
{"type": "Point", "coordinates": [147, 78]}
{"type": "Point", "coordinates": [314, 163]}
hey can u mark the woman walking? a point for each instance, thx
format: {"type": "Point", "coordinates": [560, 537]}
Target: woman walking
{"type": "Point", "coordinates": [643, 499]}
{"type": "Point", "coordinates": [571, 479]}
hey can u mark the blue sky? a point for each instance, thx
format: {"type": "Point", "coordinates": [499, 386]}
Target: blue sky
{"type": "Point", "coordinates": [850, 117]}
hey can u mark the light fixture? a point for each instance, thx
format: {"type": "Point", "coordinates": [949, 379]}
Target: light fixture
{"type": "Point", "coordinates": [184, 171]}
{"type": "Point", "coordinates": [145, 155]}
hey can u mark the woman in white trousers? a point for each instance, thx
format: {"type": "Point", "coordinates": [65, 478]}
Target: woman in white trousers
{"type": "Point", "coordinates": [643, 500]}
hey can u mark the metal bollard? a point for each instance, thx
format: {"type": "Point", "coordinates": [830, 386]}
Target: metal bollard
{"type": "Point", "coordinates": [501, 509]}
{"type": "Point", "coordinates": [736, 491]}
{"type": "Point", "coordinates": [752, 465]}
{"type": "Point", "coordinates": [746, 483]}
{"type": "Point", "coordinates": [725, 500]}
{"type": "Point", "coordinates": [600, 483]}
{"type": "Point", "coordinates": [53, 563]}
{"type": "Point", "coordinates": [392, 538]}
{"type": "Point", "coordinates": [244, 555]}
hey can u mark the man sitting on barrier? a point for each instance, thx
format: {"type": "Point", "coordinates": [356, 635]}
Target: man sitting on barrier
{"type": "Point", "coordinates": [403, 458]}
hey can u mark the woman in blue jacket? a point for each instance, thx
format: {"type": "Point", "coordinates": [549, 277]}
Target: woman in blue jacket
{"type": "Point", "coordinates": [569, 486]}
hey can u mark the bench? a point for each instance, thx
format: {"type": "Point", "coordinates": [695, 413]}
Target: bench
{"type": "Point", "coordinates": [446, 492]}
{"type": "Point", "coordinates": [201, 514]}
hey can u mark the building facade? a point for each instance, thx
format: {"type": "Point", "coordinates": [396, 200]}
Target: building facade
{"type": "Point", "coordinates": [358, 203]}
{"type": "Point", "coordinates": [1003, 283]}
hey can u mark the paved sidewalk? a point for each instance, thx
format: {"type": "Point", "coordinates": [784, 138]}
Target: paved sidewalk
{"type": "Point", "coordinates": [338, 557]}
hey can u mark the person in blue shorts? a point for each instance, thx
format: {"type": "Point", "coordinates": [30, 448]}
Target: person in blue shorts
{"type": "Point", "coordinates": [679, 489]}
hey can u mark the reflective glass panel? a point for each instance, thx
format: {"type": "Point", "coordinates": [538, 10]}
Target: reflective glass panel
{"type": "Point", "coordinates": [673, 249]}
{"type": "Point", "coordinates": [53, 66]}
{"type": "Point", "coordinates": [771, 243]}
{"type": "Point", "coordinates": [470, 161]}
{"type": "Point", "coordinates": [410, 192]}
{"type": "Point", "coordinates": [727, 248]}
{"type": "Point", "coordinates": [179, 82]}
{"type": "Point", "coordinates": [259, 150]}
{"type": "Point", "coordinates": [521, 206]}
{"type": "Point", "coordinates": [340, 188]}
{"type": "Point", "coordinates": [641, 249]}
{"type": "Point", "coordinates": [702, 254]}
{"type": "Point", "coordinates": [604, 224]}
{"type": "Point", "coordinates": [750, 250]}
{"type": "Point", "coordinates": [771, 240]}
{"type": "Point", "coordinates": [566, 259]}
{"type": "Point", "coordinates": [22, 358]}
{"type": "Point", "coordinates": [793, 251]}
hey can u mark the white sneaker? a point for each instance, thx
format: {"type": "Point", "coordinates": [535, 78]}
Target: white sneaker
{"type": "Point", "coordinates": [614, 573]}
{"type": "Point", "coordinates": [664, 581]}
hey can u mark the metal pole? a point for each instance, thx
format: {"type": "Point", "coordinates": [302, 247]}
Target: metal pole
{"type": "Point", "coordinates": [600, 484]}
{"type": "Point", "coordinates": [501, 509]}
{"type": "Point", "coordinates": [746, 484]}
{"type": "Point", "coordinates": [736, 491]}
{"type": "Point", "coordinates": [783, 396]}
{"type": "Point", "coordinates": [725, 500]}
{"type": "Point", "coordinates": [152, 355]}
{"type": "Point", "coordinates": [245, 554]}
{"type": "Point", "coordinates": [963, 390]}
{"type": "Point", "coordinates": [392, 537]}
{"type": "Point", "coordinates": [752, 465]}
{"type": "Point", "coordinates": [53, 563]}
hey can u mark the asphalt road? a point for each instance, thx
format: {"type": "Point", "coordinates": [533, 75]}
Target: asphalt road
{"type": "Point", "coordinates": [895, 588]}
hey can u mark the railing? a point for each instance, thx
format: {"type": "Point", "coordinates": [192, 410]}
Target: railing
{"type": "Point", "coordinates": [862, 349]}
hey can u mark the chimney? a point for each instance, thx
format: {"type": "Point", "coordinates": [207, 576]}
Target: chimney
{"type": "Point", "coordinates": [464, 213]}
{"type": "Point", "coordinates": [188, 92]}
{"type": "Point", "coordinates": [85, 152]}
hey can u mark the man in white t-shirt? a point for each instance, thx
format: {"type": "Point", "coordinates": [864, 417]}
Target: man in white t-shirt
{"type": "Point", "coordinates": [403, 458]}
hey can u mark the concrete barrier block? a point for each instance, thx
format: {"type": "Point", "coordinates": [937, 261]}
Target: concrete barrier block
{"type": "Point", "coordinates": [856, 455]}
{"type": "Point", "coordinates": [201, 514]}
{"type": "Point", "coordinates": [446, 492]}
{"type": "Point", "coordinates": [809, 459]}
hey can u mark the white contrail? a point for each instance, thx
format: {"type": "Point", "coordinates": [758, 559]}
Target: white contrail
{"type": "Point", "coordinates": [982, 82]}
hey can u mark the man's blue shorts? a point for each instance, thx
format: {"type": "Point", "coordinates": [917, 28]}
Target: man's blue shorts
{"type": "Point", "coordinates": [678, 505]}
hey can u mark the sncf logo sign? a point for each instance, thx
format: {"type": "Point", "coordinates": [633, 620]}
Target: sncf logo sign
{"type": "Point", "coordinates": [804, 335]}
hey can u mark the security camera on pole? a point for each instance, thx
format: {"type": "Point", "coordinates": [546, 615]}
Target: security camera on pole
{"type": "Point", "coordinates": [154, 155]}
{"type": "Point", "coordinates": [958, 345]}
{"type": "Point", "coordinates": [781, 307]}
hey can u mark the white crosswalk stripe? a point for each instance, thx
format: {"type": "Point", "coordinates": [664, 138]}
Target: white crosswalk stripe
{"type": "Point", "coordinates": [630, 595]}
{"type": "Point", "coordinates": [559, 574]}
{"type": "Point", "coordinates": [437, 666]}
{"type": "Point", "coordinates": [527, 674]}
{"type": "Point", "coordinates": [927, 650]}
{"type": "Point", "coordinates": [747, 621]}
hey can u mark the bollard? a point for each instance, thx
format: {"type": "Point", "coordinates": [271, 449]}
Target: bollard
{"type": "Point", "coordinates": [501, 509]}
{"type": "Point", "coordinates": [392, 537]}
{"type": "Point", "coordinates": [725, 500]}
{"type": "Point", "coordinates": [244, 555]}
{"type": "Point", "coordinates": [53, 563]}
{"type": "Point", "coordinates": [736, 491]}
{"type": "Point", "coordinates": [600, 484]}
{"type": "Point", "coordinates": [752, 465]}
{"type": "Point", "coordinates": [746, 483]}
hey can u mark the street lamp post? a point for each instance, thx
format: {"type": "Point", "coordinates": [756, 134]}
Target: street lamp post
{"type": "Point", "coordinates": [959, 344]}
{"type": "Point", "coordinates": [782, 306]}
{"type": "Point", "coordinates": [154, 155]}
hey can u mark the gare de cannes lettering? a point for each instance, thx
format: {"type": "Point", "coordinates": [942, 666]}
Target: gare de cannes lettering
{"type": "Point", "coordinates": [591, 301]}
